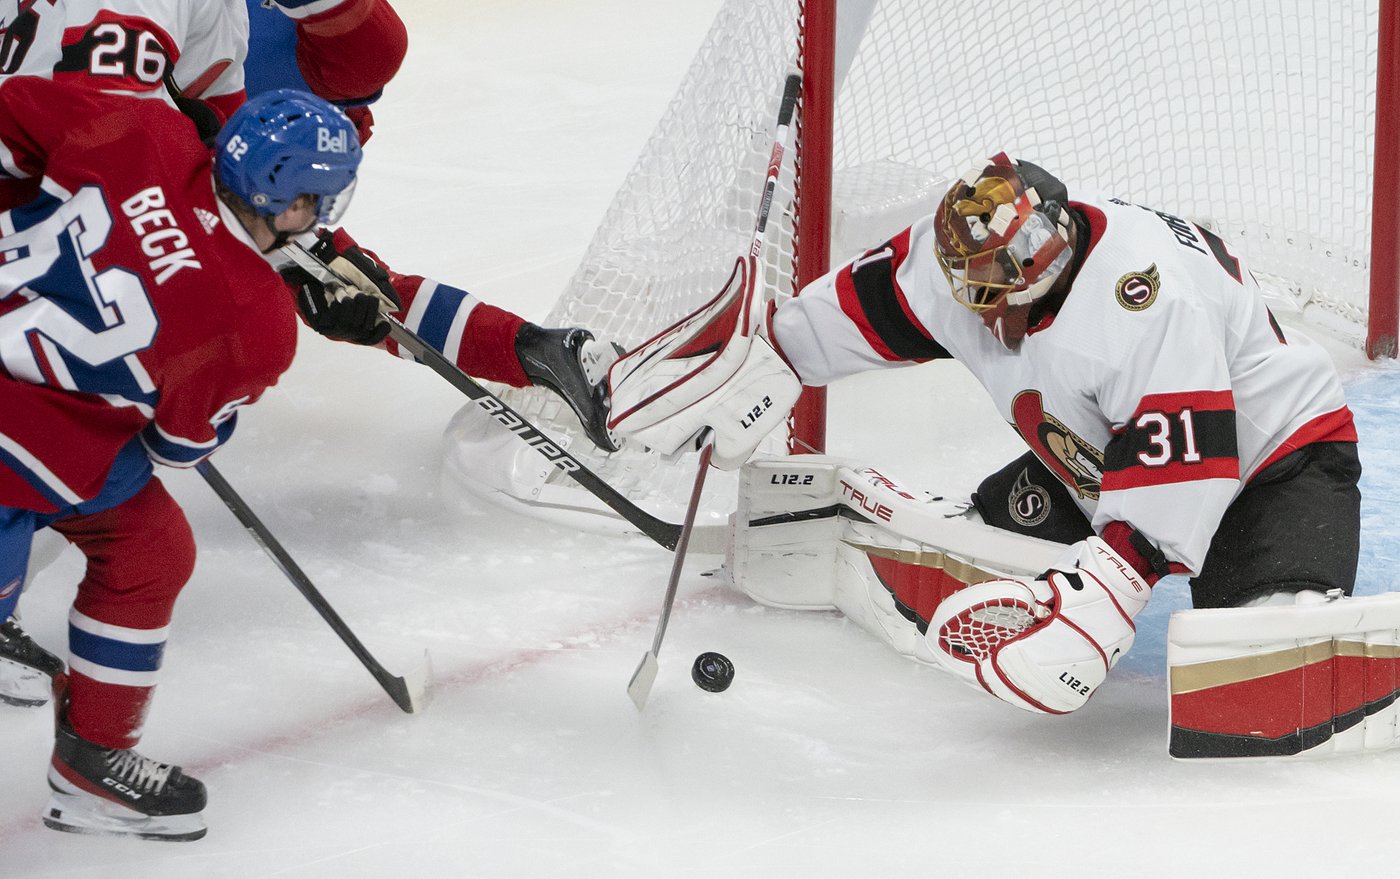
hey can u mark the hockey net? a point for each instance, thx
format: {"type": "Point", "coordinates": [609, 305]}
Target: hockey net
{"type": "Point", "coordinates": [1254, 118]}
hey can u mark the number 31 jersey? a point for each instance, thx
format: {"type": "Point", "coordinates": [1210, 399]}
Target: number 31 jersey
{"type": "Point", "coordinates": [1158, 389]}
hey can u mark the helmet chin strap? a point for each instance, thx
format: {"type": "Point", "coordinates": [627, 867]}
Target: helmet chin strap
{"type": "Point", "coordinates": [280, 237]}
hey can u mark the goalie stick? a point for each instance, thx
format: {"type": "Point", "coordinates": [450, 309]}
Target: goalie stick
{"type": "Point", "coordinates": [409, 693]}
{"type": "Point", "coordinates": [639, 687]}
{"type": "Point", "coordinates": [750, 303]}
{"type": "Point", "coordinates": [664, 533]}
{"type": "Point", "coordinates": [704, 337]}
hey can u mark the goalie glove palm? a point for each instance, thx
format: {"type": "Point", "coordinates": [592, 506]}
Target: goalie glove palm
{"type": "Point", "coordinates": [1044, 645]}
{"type": "Point", "coordinates": [698, 374]}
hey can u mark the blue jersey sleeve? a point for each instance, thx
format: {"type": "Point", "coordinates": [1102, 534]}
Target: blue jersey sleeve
{"type": "Point", "coordinates": [272, 51]}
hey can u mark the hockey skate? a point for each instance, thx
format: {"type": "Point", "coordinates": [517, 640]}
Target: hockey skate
{"type": "Point", "coordinates": [26, 669]}
{"type": "Point", "coordinates": [573, 365]}
{"type": "Point", "coordinates": [117, 792]}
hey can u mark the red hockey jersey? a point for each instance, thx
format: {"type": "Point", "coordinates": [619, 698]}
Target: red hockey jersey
{"type": "Point", "coordinates": [132, 302]}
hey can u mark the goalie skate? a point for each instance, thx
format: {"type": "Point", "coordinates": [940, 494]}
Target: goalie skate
{"type": "Point", "coordinates": [26, 669]}
{"type": "Point", "coordinates": [118, 792]}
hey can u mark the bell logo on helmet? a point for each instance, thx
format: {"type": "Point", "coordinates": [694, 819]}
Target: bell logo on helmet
{"type": "Point", "coordinates": [327, 142]}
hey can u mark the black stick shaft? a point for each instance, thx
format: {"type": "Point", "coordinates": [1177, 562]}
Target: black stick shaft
{"type": "Point", "coordinates": [664, 533]}
{"type": "Point", "coordinates": [396, 687]}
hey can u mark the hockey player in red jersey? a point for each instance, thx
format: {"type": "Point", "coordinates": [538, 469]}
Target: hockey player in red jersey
{"type": "Point", "coordinates": [137, 315]}
{"type": "Point", "coordinates": [347, 51]}
{"type": "Point", "coordinates": [1132, 351]}
{"type": "Point", "coordinates": [196, 54]}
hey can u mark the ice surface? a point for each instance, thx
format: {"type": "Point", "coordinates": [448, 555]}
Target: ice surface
{"type": "Point", "coordinates": [496, 152]}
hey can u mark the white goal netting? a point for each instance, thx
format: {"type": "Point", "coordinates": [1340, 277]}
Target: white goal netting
{"type": "Point", "coordinates": [1254, 117]}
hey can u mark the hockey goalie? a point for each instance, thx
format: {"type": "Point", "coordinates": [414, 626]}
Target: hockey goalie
{"type": "Point", "coordinates": [1173, 428]}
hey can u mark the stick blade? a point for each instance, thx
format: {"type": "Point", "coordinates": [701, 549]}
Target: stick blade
{"type": "Point", "coordinates": [410, 692]}
{"type": "Point", "coordinates": [640, 686]}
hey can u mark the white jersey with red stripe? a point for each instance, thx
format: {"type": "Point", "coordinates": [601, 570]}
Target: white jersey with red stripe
{"type": "Point", "coordinates": [1157, 390]}
{"type": "Point", "coordinates": [129, 45]}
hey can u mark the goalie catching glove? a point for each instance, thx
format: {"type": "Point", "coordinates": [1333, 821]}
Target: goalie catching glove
{"type": "Point", "coordinates": [350, 312]}
{"type": "Point", "coordinates": [1044, 645]}
{"type": "Point", "coordinates": [702, 372]}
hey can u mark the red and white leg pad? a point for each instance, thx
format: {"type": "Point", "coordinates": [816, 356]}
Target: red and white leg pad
{"type": "Point", "coordinates": [1314, 678]}
{"type": "Point", "coordinates": [815, 533]}
{"type": "Point", "coordinates": [1043, 645]}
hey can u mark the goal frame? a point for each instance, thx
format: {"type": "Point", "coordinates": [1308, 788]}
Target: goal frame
{"type": "Point", "coordinates": [814, 150]}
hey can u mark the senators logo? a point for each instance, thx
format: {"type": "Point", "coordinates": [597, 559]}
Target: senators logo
{"type": "Point", "coordinates": [1138, 290]}
{"type": "Point", "coordinates": [1029, 504]}
{"type": "Point", "coordinates": [1073, 461]}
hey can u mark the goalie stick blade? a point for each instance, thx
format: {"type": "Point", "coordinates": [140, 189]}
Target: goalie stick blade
{"type": "Point", "coordinates": [410, 692]}
{"type": "Point", "coordinates": [640, 686]}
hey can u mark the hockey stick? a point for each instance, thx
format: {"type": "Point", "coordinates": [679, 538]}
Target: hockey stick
{"type": "Point", "coordinates": [736, 312]}
{"type": "Point", "coordinates": [663, 532]}
{"type": "Point", "coordinates": [639, 687]}
{"type": "Point", "coordinates": [751, 315]}
{"type": "Point", "coordinates": [409, 693]}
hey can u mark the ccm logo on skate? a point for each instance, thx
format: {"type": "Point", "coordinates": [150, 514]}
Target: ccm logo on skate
{"type": "Point", "coordinates": [870, 505]}
{"type": "Point", "coordinates": [751, 417]}
{"type": "Point", "coordinates": [121, 789]}
{"type": "Point", "coordinates": [1074, 683]}
{"type": "Point", "coordinates": [512, 422]}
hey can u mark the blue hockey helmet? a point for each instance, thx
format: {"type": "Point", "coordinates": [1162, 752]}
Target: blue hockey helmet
{"type": "Point", "coordinates": [286, 143]}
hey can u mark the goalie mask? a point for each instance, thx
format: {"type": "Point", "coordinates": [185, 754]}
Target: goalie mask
{"type": "Point", "coordinates": [1003, 239]}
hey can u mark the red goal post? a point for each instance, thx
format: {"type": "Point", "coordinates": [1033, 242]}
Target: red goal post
{"type": "Point", "coordinates": [1272, 123]}
{"type": "Point", "coordinates": [1373, 33]}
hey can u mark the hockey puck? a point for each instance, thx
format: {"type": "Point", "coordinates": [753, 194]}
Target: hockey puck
{"type": "Point", "coordinates": [713, 672]}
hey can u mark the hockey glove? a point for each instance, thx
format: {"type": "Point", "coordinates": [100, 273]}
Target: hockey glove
{"type": "Point", "coordinates": [700, 374]}
{"type": "Point", "coordinates": [1044, 645]}
{"type": "Point", "coordinates": [349, 312]}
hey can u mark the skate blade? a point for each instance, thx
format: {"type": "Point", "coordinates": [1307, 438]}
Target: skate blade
{"type": "Point", "coordinates": [23, 686]}
{"type": "Point", "coordinates": [86, 814]}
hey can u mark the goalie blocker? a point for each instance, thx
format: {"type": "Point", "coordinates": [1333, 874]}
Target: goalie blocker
{"type": "Point", "coordinates": [708, 370]}
{"type": "Point", "coordinates": [925, 576]}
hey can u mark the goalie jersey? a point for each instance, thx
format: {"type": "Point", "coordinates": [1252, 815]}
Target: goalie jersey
{"type": "Point", "coordinates": [132, 302]}
{"type": "Point", "coordinates": [1158, 389]}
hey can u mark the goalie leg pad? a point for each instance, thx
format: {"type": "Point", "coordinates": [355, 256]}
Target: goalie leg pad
{"type": "Point", "coordinates": [1312, 679]}
{"type": "Point", "coordinates": [813, 532]}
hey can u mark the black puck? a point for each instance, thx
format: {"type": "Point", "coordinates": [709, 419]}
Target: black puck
{"type": "Point", "coordinates": [713, 672]}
